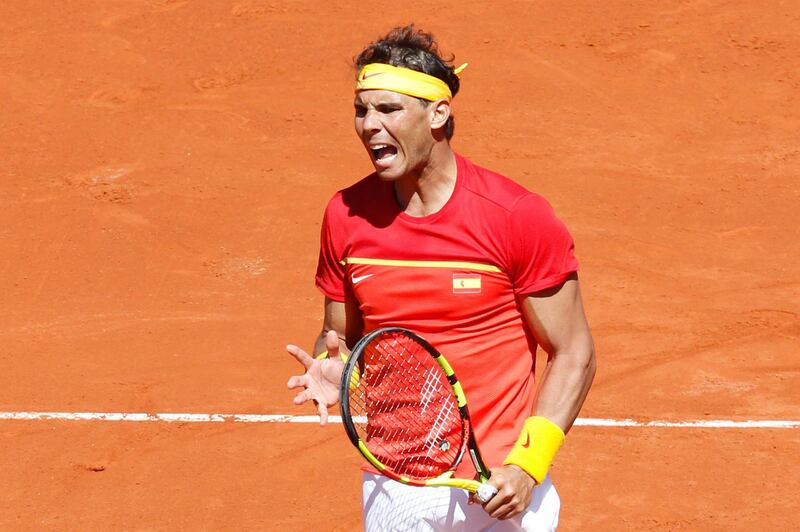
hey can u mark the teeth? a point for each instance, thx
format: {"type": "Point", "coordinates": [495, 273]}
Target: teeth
{"type": "Point", "coordinates": [383, 152]}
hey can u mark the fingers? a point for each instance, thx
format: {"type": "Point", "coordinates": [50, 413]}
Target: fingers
{"type": "Point", "coordinates": [501, 506]}
{"type": "Point", "coordinates": [302, 397]}
{"type": "Point", "coordinates": [301, 356]}
{"type": "Point", "coordinates": [514, 491]}
{"type": "Point", "coordinates": [332, 344]}
{"type": "Point", "coordinates": [296, 382]}
{"type": "Point", "coordinates": [310, 380]}
{"type": "Point", "coordinates": [308, 395]}
{"type": "Point", "coordinates": [323, 414]}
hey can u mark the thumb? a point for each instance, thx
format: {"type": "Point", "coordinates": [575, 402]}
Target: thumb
{"type": "Point", "coordinates": [332, 344]}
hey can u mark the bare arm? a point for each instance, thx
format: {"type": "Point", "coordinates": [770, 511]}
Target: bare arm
{"type": "Point", "coordinates": [344, 319]}
{"type": "Point", "coordinates": [557, 320]}
{"type": "Point", "coordinates": [320, 382]}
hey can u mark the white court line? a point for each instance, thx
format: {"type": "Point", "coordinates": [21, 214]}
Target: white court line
{"type": "Point", "coordinates": [288, 418]}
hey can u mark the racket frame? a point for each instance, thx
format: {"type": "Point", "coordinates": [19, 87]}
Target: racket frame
{"type": "Point", "coordinates": [446, 478]}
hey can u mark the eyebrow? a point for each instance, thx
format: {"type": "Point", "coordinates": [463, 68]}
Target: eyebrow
{"type": "Point", "coordinates": [382, 101]}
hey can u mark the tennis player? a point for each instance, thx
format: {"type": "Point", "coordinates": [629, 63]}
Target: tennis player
{"type": "Point", "coordinates": [475, 263]}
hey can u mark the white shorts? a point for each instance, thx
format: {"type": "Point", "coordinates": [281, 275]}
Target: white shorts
{"type": "Point", "coordinates": [388, 505]}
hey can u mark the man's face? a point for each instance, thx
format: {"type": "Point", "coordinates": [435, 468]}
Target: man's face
{"type": "Point", "coordinates": [396, 131]}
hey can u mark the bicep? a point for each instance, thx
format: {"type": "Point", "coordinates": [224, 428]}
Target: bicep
{"type": "Point", "coordinates": [557, 319]}
{"type": "Point", "coordinates": [559, 324]}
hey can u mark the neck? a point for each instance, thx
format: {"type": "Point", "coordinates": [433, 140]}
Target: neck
{"type": "Point", "coordinates": [428, 189]}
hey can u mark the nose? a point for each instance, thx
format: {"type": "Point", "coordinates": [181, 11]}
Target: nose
{"type": "Point", "coordinates": [371, 122]}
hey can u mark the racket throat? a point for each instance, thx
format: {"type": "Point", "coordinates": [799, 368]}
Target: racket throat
{"type": "Point", "coordinates": [480, 467]}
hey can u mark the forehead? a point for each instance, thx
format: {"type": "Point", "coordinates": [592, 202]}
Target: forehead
{"type": "Point", "coordinates": [375, 97]}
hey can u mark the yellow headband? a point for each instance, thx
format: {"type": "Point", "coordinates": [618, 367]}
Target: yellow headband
{"type": "Point", "coordinates": [404, 80]}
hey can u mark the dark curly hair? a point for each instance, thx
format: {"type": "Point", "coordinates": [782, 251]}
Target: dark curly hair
{"type": "Point", "coordinates": [412, 48]}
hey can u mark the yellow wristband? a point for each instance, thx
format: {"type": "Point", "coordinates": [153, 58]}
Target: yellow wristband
{"type": "Point", "coordinates": [536, 447]}
{"type": "Point", "coordinates": [324, 354]}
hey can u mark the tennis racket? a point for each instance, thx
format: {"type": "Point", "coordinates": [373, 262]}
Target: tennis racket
{"type": "Point", "coordinates": [405, 411]}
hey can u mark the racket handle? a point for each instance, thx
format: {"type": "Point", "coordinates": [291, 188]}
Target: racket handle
{"type": "Point", "coordinates": [486, 492]}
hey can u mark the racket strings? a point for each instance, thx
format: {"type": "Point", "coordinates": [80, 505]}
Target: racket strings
{"type": "Point", "coordinates": [404, 409]}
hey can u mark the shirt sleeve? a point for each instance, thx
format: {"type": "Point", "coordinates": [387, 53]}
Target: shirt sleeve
{"type": "Point", "coordinates": [330, 277]}
{"type": "Point", "coordinates": [541, 250]}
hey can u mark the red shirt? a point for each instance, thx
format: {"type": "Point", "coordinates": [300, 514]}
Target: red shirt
{"type": "Point", "coordinates": [455, 277]}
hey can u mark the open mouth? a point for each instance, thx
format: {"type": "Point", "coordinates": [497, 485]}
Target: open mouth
{"type": "Point", "coordinates": [383, 154]}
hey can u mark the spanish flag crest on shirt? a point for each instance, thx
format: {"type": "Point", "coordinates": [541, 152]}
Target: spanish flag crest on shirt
{"type": "Point", "coordinates": [466, 283]}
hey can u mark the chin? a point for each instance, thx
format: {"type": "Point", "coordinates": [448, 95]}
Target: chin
{"type": "Point", "coordinates": [387, 174]}
{"type": "Point", "coordinates": [391, 173]}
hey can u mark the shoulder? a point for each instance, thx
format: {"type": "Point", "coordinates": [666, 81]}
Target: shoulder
{"type": "Point", "coordinates": [494, 188]}
{"type": "Point", "coordinates": [359, 192]}
{"type": "Point", "coordinates": [369, 200]}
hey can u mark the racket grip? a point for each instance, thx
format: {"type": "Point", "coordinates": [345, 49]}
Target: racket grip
{"type": "Point", "coordinates": [486, 492]}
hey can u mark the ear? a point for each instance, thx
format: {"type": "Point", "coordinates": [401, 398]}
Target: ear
{"type": "Point", "coordinates": [440, 112]}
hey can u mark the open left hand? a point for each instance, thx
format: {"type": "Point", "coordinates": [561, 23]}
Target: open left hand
{"type": "Point", "coordinates": [321, 381]}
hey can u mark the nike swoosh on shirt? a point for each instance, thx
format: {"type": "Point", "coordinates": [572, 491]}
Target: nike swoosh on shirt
{"type": "Point", "coordinates": [357, 280]}
{"type": "Point", "coordinates": [527, 440]}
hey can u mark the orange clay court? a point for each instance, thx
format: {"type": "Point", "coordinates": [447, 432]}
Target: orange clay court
{"type": "Point", "coordinates": [164, 169]}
